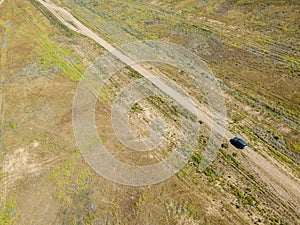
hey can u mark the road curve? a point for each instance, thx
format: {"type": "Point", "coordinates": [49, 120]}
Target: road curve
{"type": "Point", "coordinates": [289, 184]}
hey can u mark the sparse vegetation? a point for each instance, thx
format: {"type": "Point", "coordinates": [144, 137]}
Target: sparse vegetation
{"type": "Point", "coordinates": [54, 56]}
{"type": "Point", "coordinates": [13, 125]}
{"type": "Point", "coordinates": [251, 46]}
{"type": "Point", "coordinates": [136, 108]}
{"type": "Point", "coordinates": [9, 213]}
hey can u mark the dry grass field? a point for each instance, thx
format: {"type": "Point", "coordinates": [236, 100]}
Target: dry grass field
{"type": "Point", "coordinates": [252, 47]}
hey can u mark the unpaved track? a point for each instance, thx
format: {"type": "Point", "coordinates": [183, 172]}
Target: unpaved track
{"type": "Point", "coordinates": [289, 185]}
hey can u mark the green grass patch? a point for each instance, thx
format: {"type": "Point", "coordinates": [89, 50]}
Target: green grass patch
{"type": "Point", "coordinates": [13, 125]}
{"type": "Point", "coordinates": [56, 56]}
{"type": "Point", "coordinates": [192, 212]}
{"type": "Point", "coordinates": [9, 213]}
{"type": "Point", "coordinates": [69, 179]}
{"type": "Point", "coordinates": [51, 18]}
{"type": "Point", "coordinates": [51, 56]}
{"type": "Point", "coordinates": [136, 108]}
{"type": "Point", "coordinates": [292, 61]}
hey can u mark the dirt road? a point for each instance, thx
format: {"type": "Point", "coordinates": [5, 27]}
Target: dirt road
{"type": "Point", "coordinates": [289, 185]}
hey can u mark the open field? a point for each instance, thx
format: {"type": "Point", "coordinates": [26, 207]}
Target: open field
{"type": "Point", "coordinates": [246, 60]}
{"type": "Point", "coordinates": [254, 55]}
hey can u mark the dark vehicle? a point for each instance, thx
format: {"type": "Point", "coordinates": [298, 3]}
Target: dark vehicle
{"type": "Point", "coordinates": [238, 143]}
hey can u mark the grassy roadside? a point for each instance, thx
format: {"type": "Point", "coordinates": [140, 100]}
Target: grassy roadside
{"type": "Point", "coordinates": [30, 53]}
{"type": "Point", "coordinates": [85, 198]}
{"type": "Point", "coordinates": [252, 64]}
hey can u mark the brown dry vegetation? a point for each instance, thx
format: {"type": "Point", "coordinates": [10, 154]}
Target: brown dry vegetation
{"type": "Point", "coordinates": [257, 61]}
{"type": "Point", "coordinates": [251, 46]}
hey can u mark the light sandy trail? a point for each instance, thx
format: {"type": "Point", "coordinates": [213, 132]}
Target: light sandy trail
{"type": "Point", "coordinates": [289, 184]}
